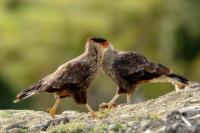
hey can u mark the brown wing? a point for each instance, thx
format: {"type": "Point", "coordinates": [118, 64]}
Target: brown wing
{"type": "Point", "coordinates": [76, 74]}
{"type": "Point", "coordinates": [134, 67]}
{"type": "Point", "coordinates": [129, 63]}
{"type": "Point", "coordinates": [157, 68]}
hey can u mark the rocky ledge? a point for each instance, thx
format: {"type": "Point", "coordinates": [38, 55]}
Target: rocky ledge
{"type": "Point", "coordinates": [175, 112]}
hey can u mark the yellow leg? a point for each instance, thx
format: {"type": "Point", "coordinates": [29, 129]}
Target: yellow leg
{"type": "Point", "coordinates": [114, 99]}
{"type": "Point", "coordinates": [129, 98]}
{"type": "Point", "coordinates": [52, 111]}
{"type": "Point", "coordinates": [110, 104]}
{"type": "Point", "coordinates": [90, 110]}
{"type": "Point", "coordinates": [179, 87]}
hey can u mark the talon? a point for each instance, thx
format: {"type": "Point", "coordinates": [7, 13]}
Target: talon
{"type": "Point", "coordinates": [107, 105]}
{"type": "Point", "coordinates": [103, 106]}
{"type": "Point", "coordinates": [93, 114]}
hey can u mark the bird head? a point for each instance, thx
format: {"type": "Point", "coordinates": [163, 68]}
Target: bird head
{"type": "Point", "coordinates": [99, 43]}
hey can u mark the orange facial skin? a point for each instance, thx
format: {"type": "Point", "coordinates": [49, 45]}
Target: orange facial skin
{"type": "Point", "coordinates": [105, 44]}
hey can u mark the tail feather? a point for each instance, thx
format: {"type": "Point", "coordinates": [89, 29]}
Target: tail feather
{"type": "Point", "coordinates": [179, 78]}
{"type": "Point", "coordinates": [30, 91]}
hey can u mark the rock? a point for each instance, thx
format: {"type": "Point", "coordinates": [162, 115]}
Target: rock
{"type": "Point", "coordinates": [173, 112]}
{"type": "Point", "coordinates": [131, 124]}
{"type": "Point", "coordinates": [15, 130]}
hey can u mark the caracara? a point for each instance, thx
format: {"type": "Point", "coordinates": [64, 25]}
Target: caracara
{"type": "Point", "coordinates": [71, 79]}
{"type": "Point", "coordinates": [131, 69]}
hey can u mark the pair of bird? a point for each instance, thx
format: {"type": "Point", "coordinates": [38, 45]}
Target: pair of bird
{"type": "Point", "coordinates": [127, 69]}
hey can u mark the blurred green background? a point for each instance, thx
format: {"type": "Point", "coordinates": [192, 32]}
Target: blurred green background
{"type": "Point", "coordinates": [36, 36]}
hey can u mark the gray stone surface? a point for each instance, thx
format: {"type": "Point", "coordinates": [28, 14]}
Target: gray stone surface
{"type": "Point", "coordinates": [175, 112]}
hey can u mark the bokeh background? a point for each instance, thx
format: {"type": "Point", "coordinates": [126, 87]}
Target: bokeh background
{"type": "Point", "coordinates": [36, 36]}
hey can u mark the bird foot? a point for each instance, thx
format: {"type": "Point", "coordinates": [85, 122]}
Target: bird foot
{"type": "Point", "coordinates": [107, 105]}
{"type": "Point", "coordinates": [52, 112]}
{"type": "Point", "coordinates": [92, 114]}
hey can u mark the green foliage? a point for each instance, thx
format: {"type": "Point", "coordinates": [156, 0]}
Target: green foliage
{"type": "Point", "coordinates": [73, 127]}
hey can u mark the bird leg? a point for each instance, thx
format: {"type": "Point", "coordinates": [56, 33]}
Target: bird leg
{"type": "Point", "coordinates": [129, 98]}
{"type": "Point", "coordinates": [114, 99]}
{"type": "Point", "coordinates": [179, 87]}
{"type": "Point", "coordinates": [52, 111]}
{"type": "Point", "coordinates": [111, 104]}
{"type": "Point", "coordinates": [90, 110]}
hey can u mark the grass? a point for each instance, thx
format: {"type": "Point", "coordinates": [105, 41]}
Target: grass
{"type": "Point", "coordinates": [100, 129]}
{"type": "Point", "coordinates": [103, 113]}
{"type": "Point", "coordinates": [72, 127]}
{"type": "Point", "coordinates": [154, 116]}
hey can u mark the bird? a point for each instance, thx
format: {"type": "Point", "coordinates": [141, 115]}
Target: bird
{"type": "Point", "coordinates": [71, 79]}
{"type": "Point", "coordinates": [130, 69]}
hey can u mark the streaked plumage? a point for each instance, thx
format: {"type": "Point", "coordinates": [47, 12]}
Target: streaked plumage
{"type": "Point", "coordinates": [73, 78]}
{"type": "Point", "coordinates": [130, 69]}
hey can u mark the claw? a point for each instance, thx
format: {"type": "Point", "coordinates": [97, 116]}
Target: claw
{"type": "Point", "coordinates": [111, 104]}
{"type": "Point", "coordinates": [93, 115]}
{"type": "Point", "coordinates": [107, 105]}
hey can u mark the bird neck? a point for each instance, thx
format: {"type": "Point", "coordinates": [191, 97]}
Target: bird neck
{"type": "Point", "coordinates": [109, 54]}
{"type": "Point", "coordinates": [110, 49]}
{"type": "Point", "coordinates": [93, 52]}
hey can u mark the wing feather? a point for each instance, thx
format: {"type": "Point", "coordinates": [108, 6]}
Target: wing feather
{"type": "Point", "coordinates": [129, 63]}
{"type": "Point", "coordinates": [69, 74]}
{"type": "Point", "coordinates": [132, 62]}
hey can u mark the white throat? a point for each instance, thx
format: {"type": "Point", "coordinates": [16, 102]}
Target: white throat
{"type": "Point", "coordinates": [110, 47]}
